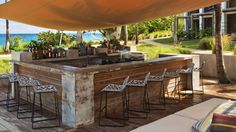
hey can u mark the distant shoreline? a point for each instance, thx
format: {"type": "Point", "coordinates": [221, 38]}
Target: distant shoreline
{"type": "Point", "coordinates": [31, 36]}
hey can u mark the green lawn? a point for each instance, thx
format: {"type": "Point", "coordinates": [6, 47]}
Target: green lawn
{"type": "Point", "coordinates": [165, 40]}
{"type": "Point", "coordinates": [5, 64]}
{"type": "Point", "coordinates": [154, 51]}
{"type": "Point", "coordinates": [192, 44]}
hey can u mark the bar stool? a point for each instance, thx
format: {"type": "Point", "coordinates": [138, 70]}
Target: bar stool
{"type": "Point", "coordinates": [174, 75]}
{"type": "Point", "coordinates": [114, 88]}
{"type": "Point", "coordinates": [43, 89]}
{"type": "Point", "coordinates": [26, 83]}
{"type": "Point", "coordinates": [187, 72]}
{"type": "Point", "coordinates": [140, 84]}
{"type": "Point", "coordinates": [200, 69]}
{"type": "Point", "coordinates": [4, 77]}
{"type": "Point", "coordinates": [159, 79]}
{"type": "Point", "coordinates": [13, 79]}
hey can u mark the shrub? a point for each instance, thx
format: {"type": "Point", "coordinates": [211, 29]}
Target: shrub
{"type": "Point", "coordinates": [205, 33]}
{"type": "Point", "coordinates": [5, 66]}
{"type": "Point", "coordinates": [184, 51]}
{"type": "Point", "coordinates": [2, 49]}
{"type": "Point", "coordinates": [206, 43]}
{"type": "Point", "coordinates": [15, 42]}
{"type": "Point", "coordinates": [235, 50]}
{"type": "Point", "coordinates": [22, 47]}
{"type": "Point", "coordinates": [227, 42]}
{"type": "Point", "coordinates": [17, 45]}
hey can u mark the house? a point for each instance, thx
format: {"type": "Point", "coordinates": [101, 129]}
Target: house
{"type": "Point", "coordinates": [203, 18]}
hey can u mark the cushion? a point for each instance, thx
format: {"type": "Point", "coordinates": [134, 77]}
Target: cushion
{"type": "Point", "coordinates": [171, 123]}
{"type": "Point", "coordinates": [200, 110]}
{"type": "Point", "coordinates": [203, 125]}
{"type": "Point", "coordinates": [223, 123]}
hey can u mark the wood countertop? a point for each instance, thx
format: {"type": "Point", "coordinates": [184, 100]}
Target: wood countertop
{"type": "Point", "coordinates": [58, 68]}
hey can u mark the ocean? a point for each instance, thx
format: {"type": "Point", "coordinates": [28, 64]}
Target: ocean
{"type": "Point", "coordinates": [87, 37]}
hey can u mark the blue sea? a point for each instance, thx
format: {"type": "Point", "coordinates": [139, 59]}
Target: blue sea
{"type": "Point", "coordinates": [87, 37]}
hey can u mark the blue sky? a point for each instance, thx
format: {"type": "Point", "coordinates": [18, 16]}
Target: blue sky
{"type": "Point", "coordinates": [16, 27]}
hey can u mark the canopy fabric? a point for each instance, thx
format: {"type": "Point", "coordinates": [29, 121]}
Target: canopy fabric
{"type": "Point", "coordinates": [94, 14]}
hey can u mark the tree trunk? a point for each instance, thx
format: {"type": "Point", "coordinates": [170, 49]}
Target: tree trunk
{"type": "Point", "coordinates": [222, 76]}
{"type": "Point", "coordinates": [126, 35]}
{"type": "Point", "coordinates": [61, 37]}
{"type": "Point", "coordinates": [136, 34]}
{"type": "Point", "coordinates": [175, 25]}
{"type": "Point", "coordinates": [118, 32]}
{"type": "Point", "coordinates": [79, 37]}
{"type": "Point", "coordinates": [7, 45]}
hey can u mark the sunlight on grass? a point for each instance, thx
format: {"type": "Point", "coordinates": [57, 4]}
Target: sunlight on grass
{"type": "Point", "coordinates": [154, 51]}
{"type": "Point", "coordinates": [165, 40]}
{"type": "Point", "coordinates": [5, 64]}
{"type": "Point", "coordinates": [191, 44]}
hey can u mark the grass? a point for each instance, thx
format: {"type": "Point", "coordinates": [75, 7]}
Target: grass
{"type": "Point", "coordinates": [157, 34]}
{"type": "Point", "coordinates": [169, 40]}
{"type": "Point", "coordinates": [5, 64]}
{"type": "Point", "coordinates": [154, 51]}
{"type": "Point", "coordinates": [191, 44]}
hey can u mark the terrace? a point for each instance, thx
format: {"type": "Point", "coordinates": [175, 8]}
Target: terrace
{"type": "Point", "coordinates": [212, 90]}
{"type": "Point", "coordinates": [68, 90]}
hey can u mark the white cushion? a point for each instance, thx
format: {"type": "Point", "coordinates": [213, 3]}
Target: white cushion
{"type": "Point", "coordinates": [200, 110]}
{"type": "Point", "coordinates": [171, 123]}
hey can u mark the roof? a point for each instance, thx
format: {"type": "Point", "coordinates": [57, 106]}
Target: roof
{"type": "Point", "coordinates": [93, 14]}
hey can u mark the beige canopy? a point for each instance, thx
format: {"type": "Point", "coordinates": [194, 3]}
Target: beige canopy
{"type": "Point", "coordinates": [93, 14]}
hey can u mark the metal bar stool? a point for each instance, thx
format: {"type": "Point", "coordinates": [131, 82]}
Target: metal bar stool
{"type": "Point", "coordinates": [174, 75]}
{"type": "Point", "coordinates": [26, 83]}
{"type": "Point", "coordinates": [114, 88]}
{"type": "Point", "coordinates": [159, 79]}
{"type": "Point", "coordinates": [13, 79]}
{"type": "Point", "coordinates": [187, 72]}
{"type": "Point", "coordinates": [200, 69]}
{"type": "Point", "coordinates": [139, 84]}
{"type": "Point", "coordinates": [5, 77]}
{"type": "Point", "coordinates": [42, 89]}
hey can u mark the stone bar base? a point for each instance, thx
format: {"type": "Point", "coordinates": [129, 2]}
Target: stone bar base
{"type": "Point", "coordinates": [79, 88]}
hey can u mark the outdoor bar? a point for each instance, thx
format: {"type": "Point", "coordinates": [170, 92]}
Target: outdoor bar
{"type": "Point", "coordinates": [79, 86]}
{"type": "Point", "coordinates": [59, 79]}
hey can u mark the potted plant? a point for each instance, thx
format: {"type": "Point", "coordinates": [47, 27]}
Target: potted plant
{"type": "Point", "coordinates": [103, 48]}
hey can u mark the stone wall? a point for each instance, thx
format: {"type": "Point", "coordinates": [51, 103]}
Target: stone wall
{"type": "Point", "coordinates": [210, 69]}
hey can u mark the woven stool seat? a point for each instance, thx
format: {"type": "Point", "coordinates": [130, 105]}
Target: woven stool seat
{"type": "Point", "coordinates": [136, 83]}
{"type": "Point", "coordinates": [113, 88]}
{"type": "Point", "coordinates": [44, 88]}
{"type": "Point", "coordinates": [4, 76]}
{"type": "Point", "coordinates": [171, 74]}
{"type": "Point", "coordinates": [27, 82]}
{"type": "Point", "coordinates": [186, 71]}
{"type": "Point", "coordinates": [13, 77]}
{"type": "Point", "coordinates": [155, 78]}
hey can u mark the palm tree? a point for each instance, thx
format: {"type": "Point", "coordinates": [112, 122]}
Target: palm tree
{"type": "Point", "coordinates": [223, 78]}
{"type": "Point", "coordinates": [175, 28]}
{"type": "Point", "coordinates": [79, 37]}
{"type": "Point", "coordinates": [126, 35]}
{"type": "Point", "coordinates": [7, 45]}
{"type": "Point", "coordinates": [136, 34]}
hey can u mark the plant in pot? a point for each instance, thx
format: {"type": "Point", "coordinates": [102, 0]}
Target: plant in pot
{"type": "Point", "coordinates": [103, 48]}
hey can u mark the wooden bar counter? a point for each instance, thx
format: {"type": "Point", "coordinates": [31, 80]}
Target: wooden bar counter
{"type": "Point", "coordinates": [79, 87]}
